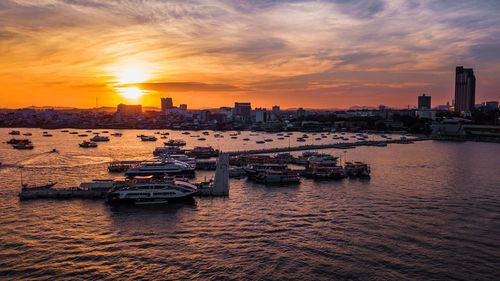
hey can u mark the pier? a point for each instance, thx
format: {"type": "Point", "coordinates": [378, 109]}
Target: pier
{"type": "Point", "coordinates": [344, 145]}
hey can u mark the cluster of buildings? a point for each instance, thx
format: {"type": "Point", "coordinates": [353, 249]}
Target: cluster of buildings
{"type": "Point", "coordinates": [243, 117]}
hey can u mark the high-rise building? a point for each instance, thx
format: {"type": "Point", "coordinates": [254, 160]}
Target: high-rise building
{"type": "Point", "coordinates": [465, 89]}
{"type": "Point", "coordinates": [260, 115]}
{"type": "Point", "coordinates": [424, 102]}
{"type": "Point", "coordinates": [276, 108]}
{"type": "Point", "coordinates": [183, 107]}
{"type": "Point", "coordinates": [242, 108]}
{"type": "Point", "coordinates": [166, 103]}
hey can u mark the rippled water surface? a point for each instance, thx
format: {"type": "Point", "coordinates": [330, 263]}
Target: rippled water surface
{"type": "Point", "coordinates": [431, 210]}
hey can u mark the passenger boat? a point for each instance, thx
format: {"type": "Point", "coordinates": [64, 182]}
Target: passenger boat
{"type": "Point", "coordinates": [202, 152]}
{"type": "Point", "coordinates": [246, 139]}
{"type": "Point", "coordinates": [99, 138]}
{"type": "Point", "coordinates": [268, 140]}
{"type": "Point", "coordinates": [357, 169]}
{"type": "Point", "coordinates": [105, 132]}
{"type": "Point", "coordinates": [64, 131]}
{"type": "Point", "coordinates": [277, 177]}
{"type": "Point", "coordinates": [14, 132]}
{"type": "Point", "coordinates": [202, 139]}
{"type": "Point", "coordinates": [88, 144]}
{"type": "Point", "coordinates": [165, 166]}
{"type": "Point", "coordinates": [301, 139]}
{"type": "Point", "coordinates": [260, 142]}
{"type": "Point", "coordinates": [252, 170]}
{"type": "Point", "coordinates": [73, 133]}
{"type": "Point", "coordinates": [151, 191]}
{"type": "Point", "coordinates": [186, 133]}
{"type": "Point", "coordinates": [83, 135]}
{"type": "Point", "coordinates": [116, 134]}
{"type": "Point", "coordinates": [175, 143]}
{"type": "Point", "coordinates": [45, 134]}
{"type": "Point", "coordinates": [184, 158]}
{"type": "Point", "coordinates": [206, 133]}
{"type": "Point", "coordinates": [27, 134]}
{"type": "Point", "coordinates": [148, 138]}
{"type": "Point", "coordinates": [167, 150]}
{"type": "Point", "coordinates": [237, 172]}
{"type": "Point", "coordinates": [325, 168]}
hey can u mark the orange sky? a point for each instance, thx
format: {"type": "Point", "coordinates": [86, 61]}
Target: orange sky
{"type": "Point", "coordinates": [314, 54]}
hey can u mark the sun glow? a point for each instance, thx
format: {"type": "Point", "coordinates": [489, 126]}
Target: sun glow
{"type": "Point", "coordinates": [132, 74]}
{"type": "Point", "coordinates": [132, 93]}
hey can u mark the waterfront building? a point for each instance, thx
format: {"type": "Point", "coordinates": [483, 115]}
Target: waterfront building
{"type": "Point", "coordinates": [242, 108]}
{"type": "Point", "coordinates": [465, 89]}
{"type": "Point", "coordinates": [125, 110]}
{"type": "Point", "coordinates": [424, 102]}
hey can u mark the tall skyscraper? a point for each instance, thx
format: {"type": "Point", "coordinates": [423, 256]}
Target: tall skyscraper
{"type": "Point", "coordinates": [424, 102]}
{"type": "Point", "coordinates": [465, 89]}
{"type": "Point", "coordinates": [166, 103]}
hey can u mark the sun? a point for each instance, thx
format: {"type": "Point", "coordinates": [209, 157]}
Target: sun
{"type": "Point", "coordinates": [132, 93]}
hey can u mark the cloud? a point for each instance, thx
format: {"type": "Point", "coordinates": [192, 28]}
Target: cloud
{"type": "Point", "coordinates": [184, 87]}
{"type": "Point", "coordinates": [354, 47]}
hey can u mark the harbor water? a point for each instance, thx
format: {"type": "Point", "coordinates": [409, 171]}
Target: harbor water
{"type": "Point", "coordinates": [431, 210]}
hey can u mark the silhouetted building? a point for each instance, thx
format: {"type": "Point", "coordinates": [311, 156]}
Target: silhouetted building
{"type": "Point", "coordinates": [129, 110]}
{"type": "Point", "coordinates": [260, 115]}
{"type": "Point", "coordinates": [465, 89]}
{"type": "Point", "coordinates": [276, 109]}
{"type": "Point", "coordinates": [491, 105]}
{"type": "Point", "coordinates": [166, 103]}
{"type": "Point", "coordinates": [424, 102]}
{"type": "Point", "coordinates": [204, 116]}
{"type": "Point", "coordinates": [242, 108]}
{"type": "Point", "coordinates": [183, 107]}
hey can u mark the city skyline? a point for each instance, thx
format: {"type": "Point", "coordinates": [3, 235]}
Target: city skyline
{"type": "Point", "coordinates": [311, 54]}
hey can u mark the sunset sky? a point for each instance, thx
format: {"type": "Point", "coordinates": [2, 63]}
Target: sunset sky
{"type": "Point", "coordinates": [313, 54]}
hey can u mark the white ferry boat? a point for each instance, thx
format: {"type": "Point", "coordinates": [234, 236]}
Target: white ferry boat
{"type": "Point", "coordinates": [150, 191]}
{"type": "Point", "coordinates": [165, 166]}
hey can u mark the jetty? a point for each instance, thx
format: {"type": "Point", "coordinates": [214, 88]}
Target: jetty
{"type": "Point", "coordinates": [344, 145]}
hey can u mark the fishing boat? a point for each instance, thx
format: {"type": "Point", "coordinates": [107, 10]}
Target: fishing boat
{"type": "Point", "coordinates": [16, 141]}
{"type": "Point", "coordinates": [97, 138]}
{"type": "Point", "coordinates": [148, 138]}
{"type": "Point", "coordinates": [23, 145]}
{"type": "Point", "coordinates": [175, 143]}
{"type": "Point", "coordinates": [88, 144]}
{"type": "Point", "coordinates": [151, 191]}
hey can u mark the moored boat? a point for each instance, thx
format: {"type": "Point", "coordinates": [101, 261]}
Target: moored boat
{"type": "Point", "coordinates": [175, 143]}
{"type": "Point", "coordinates": [202, 152]}
{"type": "Point", "coordinates": [88, 144]}
{"type": "Point", "coordinates": [151, 191]}
{"type": "Point", "coordinates": [99, 138]}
